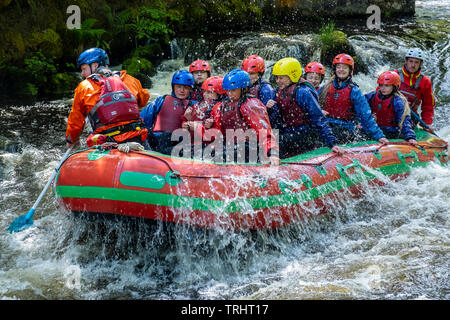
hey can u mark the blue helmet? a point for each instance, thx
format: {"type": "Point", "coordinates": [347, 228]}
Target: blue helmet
{"type": "Point", "coordinates": [183, 77]}
{"type": "Point", "coordinates": [93, 55]}
{"type": "Point", "coordinates": [235, 79]}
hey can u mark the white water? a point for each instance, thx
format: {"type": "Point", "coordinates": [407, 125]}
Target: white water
{"type": "Point", "coordinates": [391, 244]}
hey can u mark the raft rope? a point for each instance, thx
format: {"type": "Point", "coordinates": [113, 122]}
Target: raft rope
{"type": "Point", "coordinates": [176, 174]}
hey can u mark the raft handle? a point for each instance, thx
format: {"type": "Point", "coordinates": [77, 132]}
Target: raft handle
{"type": "Point", "coordinates": [402, 156]}
{"type": "Point", "coordinates": [342, 170]}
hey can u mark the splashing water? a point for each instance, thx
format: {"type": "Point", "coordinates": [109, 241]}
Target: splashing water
{"type": "Point", "coordinates": [391, 244]}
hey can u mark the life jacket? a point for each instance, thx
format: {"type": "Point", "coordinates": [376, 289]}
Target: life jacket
{"type": "Point", "coordinates": [202, 110]}
{"type": "Point", "coordinates": [197, 93]}
{"type": "Point", "coordinates": [338, 103]}
{"type": "Point", "coordinates": [115, 103]}
{"type": "Point", "coordinates": [231, 116]}
{"type": "Point", "coordinates": [383, 109]}
{"type": "Point", "coordinates": [170, 115]}
{"type": "Point", "coordinates": [410, 92]}
{"type": "Point", "coordinates": [255, 90]}
{"type": "Point", "coordinates": [291, 113]}
{"type": "Point", "coordinates": [116, 114]}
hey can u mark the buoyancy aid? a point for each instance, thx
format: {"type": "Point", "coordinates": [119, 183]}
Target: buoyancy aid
{"type": "Point", "coordinates": [116, 113]}
{"type": "Point", "coordinates": [170, 115]}
{"type": "Point", "coordinates": [197, 93]}
{"type": "Point", "coordinates": [115, 104]}
{"type": "Point", "coordinates": [202, 110]}
{"type": "Point", "coordinates": [255, 90]}
{"type": "Point", "coordinates": [338, 103]}
{"type": "Point", "coordinates": [410, 92]}
{"type": "Point", "coordinates": [383, 109]}
{"type": "Point", "coordinates": [291, 113]}
{"type": "Point", "coordinates": [231, 115]}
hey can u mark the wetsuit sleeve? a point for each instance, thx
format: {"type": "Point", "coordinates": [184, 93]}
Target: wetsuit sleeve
{"type": "Point", "coordinates": [407, 130]}
{"type": "Point", "coordinates": [428, 101]}
{"type": "Point", "coordinates": [364, 114]}
{"type": "Point", "coordinates": [149, 113]}
{"type": "Point", "coordinates": [306, 100]}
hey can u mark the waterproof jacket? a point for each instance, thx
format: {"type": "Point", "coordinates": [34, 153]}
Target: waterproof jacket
{"type": "Point", "coordinates": [247, 113]}
{"type": "Point", "coordinates": [200, 112]}
{"type": "Point", "coordinates": [361, 109]}
{"type": "Point", "coordinates": [393, 108]}
{"type": "Point", "coordinates": [87, 95]}
{"type": "Point", "coordinates": [424, 96]}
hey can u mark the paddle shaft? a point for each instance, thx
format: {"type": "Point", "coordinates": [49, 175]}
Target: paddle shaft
{"type": "Point", "coordinates": [415, 115]}
{"type": "Point", "coordinates": [66, 155]}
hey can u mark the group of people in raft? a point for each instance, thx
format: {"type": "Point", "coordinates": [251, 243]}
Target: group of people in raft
{"type": "Point", "coordinates": [307, 112]}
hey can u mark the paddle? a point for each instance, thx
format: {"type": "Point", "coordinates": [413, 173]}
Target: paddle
{"type": "Point", "coordinates": [23, 222]}
{"type": "Point", "coordinates": [415, 115]}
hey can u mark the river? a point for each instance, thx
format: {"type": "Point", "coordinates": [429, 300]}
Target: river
{"type": "Point", "coordinates": [391, 244]}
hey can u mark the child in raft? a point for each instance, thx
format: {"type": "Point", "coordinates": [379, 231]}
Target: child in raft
{"type": "Point", "coordinates": [345, 106]}
{"type": "Point", "coordinates": [201, 70]}
{"type": "Point", "coordinates": [198, 118]}
{"type": "Point", "coordinates": [390, 108]}
{"type": "Point", "coordinates": [314, 74]}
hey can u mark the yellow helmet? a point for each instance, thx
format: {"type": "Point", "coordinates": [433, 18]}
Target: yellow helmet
{"type": "Point", "coordinates": [288, 67]}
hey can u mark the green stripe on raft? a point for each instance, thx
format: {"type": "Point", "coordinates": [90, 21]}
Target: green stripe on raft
{"type": "Point", "coordinates": [232, 205]}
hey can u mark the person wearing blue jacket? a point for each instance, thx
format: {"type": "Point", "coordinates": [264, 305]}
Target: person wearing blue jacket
{"type": "Point", "coordinates": [345, 107]}
{"type": "Point", "coordinates": [164, 115]}
{"type": "Point", "coordinates": [303, 123]}
{"type": "Point", "coordinates": [262, 90]}
{"type": "Point", "coordinates": [390, 108]}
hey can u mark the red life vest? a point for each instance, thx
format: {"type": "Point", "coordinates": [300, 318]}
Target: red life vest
{"type": "Point", "coordinates": [383, 110]}
{"type": "Point", "coordinates": [115, 104]}
{"type": "Point", "coordinates": [291, 113]}
{"type": "Point", "coordinates": [197, 94]}
{"type": "Point", "coordinates": [202, 110]}
{"type": "Point", "coordinates": [231, 116]}
{"type": "Point", "coordinates": [338, 103]}
{"type": "Point", "coordinates": [409, 92]}
{"type": "Point", "coordinates": [170, 115]}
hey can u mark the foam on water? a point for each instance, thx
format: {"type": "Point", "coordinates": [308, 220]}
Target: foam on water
{"type": "Point", "coordinates": [391, 244]}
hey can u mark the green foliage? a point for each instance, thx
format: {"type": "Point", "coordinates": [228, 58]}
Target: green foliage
{"type": "Point", "coordinates": [145, 24]}
{"type": "Point", "coordinates": [39, 65]}
{"type": "Point", "coordinates": [88, 36]}
{"type": "Point", "coordinates": [49, 42]}
{"type": "Point", "coordinates": [332, 42]}
{"type": "Point", "coordinates": [136, 66]}
{"type": "Point", "coordinates": [139, 68]}
{"type": "Point", "coordinates": [326, 33]}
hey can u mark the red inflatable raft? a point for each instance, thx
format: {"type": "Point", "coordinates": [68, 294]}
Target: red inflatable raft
{"type": "Point", "coordinates": [232, 196]}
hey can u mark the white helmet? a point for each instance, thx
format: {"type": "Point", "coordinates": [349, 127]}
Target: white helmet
{"type": "Point", "coordinates": [415, 53]}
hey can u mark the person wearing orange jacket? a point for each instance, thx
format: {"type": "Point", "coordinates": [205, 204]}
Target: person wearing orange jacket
{"type": "Point", "coordinates": [416, 87]}
{"type": "Point", "coordinates": [89, 101]}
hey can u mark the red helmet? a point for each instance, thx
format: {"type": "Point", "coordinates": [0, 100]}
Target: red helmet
{"type": "Point", "coordinates": [253, 63]}
{"type": "Point", "coordinates": [200, 65]}
{"type": "Point", "coordinates": [315, 67]}
{"type": "Point", "coordinates": [389, 77]}
{"type": "Point", "coordinates": [345, 59]}
{"type": "Point", "coordinates": [214, 84]}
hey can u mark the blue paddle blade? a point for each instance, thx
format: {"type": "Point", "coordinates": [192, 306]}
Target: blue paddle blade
{"type": "Point", "coordinates": [22, 222]}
